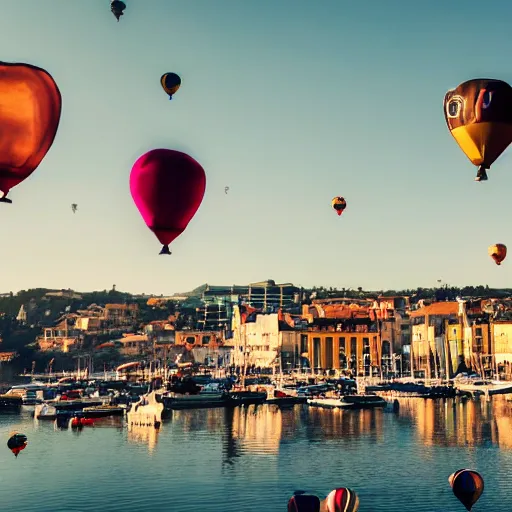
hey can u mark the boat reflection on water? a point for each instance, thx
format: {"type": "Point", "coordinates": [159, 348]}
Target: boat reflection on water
{"type": "Point", "coordinates": [144, 435]}
{"type": "Point", "coordinates": [460, 422]}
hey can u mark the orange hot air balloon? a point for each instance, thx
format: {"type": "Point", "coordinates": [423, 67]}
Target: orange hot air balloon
{"type": "Point", "coordinates": [30, 107]}
{"type": "Point", "coordinates": [339, 204]}
{"type": "Point", "coordinates": [467, 485]}
{"type": "Point", "coordinates": [497, 252]}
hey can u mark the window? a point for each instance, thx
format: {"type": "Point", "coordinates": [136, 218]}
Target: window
{"type": "Point", "coordinates": [206, 340]}
{"type": "Point", "coordinates": [303, 343]}
{"type": "Point", "coordinates": [342, 356]}
{"type": "Point", "coordinates": [353, 346]}
{"type": "Point", "coordinates": [328, 352]}
{"type": "Point", "coordinates": [478, 332]}
{"type": "Point", "coordinates": [316, 352]}
{"type": "Point", "coordinates": [191, 340]}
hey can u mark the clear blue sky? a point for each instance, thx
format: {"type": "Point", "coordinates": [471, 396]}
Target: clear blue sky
{"type": "Point", "coordinates": [287, 102]}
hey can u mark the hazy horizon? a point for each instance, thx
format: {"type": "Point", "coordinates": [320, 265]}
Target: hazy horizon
{"type": "Point", "coordinates": [288, 104]}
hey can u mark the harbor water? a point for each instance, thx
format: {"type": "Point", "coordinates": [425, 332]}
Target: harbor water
{"type": "Point", "coordinates": [252, 459]}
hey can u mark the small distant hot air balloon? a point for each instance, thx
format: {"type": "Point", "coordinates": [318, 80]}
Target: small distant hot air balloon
{"type": "Point", "coordinates": [170, 83]}
{"type": "Point", "coordinates": [479, 116]}
{"type": "Point", "coordinates": [304, 503]}
{"type": "Point", "coordinates": [226, 190]}
{"type": "Point", "coordinates": [30, 107]}
{"type": "Point", "coordinates": [342, 500]}
{"type": "Point", "coordinates": [497, 252]}
{"type": "Point", "coordinates": [74, 207]}
{"type": "Point", "coordinates": [117, 7]}
{"type": "Point", "coordinates": [167, 187]}
{"type": "Point", "coordinates": [16, 443]}
{"type": "Point", "coordinates": [339, 204]}
{"type": "Point", "coordinates": [467, 485]}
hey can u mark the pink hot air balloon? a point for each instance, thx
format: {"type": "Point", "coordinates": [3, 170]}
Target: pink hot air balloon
{"type": "Point", "coordinates": [167, 187]}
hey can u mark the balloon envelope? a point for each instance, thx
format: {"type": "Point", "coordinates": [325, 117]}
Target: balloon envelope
{"type": "Point", "coordinates": [479, 116]}
{"type": "Point", "coordinates": [339, 204]}
{"type": "Point", "coordinates": [170, 82]}
{"type": "Point", "coordinates": [304, 503]}
{"type": "Point", "coordinates": [497, 252]}
{"type": "Point", "coordinates": [467, 485]}
{"type": "Point", "coordinates": [342, 500]}
{"type": "Point", "coordinates": [167, 187]}
{"type": "Point", "coordinates": [30, 108]}
{"type": "Point", "coordinates": [16, 443]}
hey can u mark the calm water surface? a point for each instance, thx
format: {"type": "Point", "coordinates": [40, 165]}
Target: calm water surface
{"type": "Point", "coordinates": [252, 459]}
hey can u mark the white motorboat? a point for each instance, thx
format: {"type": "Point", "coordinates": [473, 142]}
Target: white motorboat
{"type": "Point", "coordinates": [329, 403]}
{"type": "Point", "coordinates": [477, 386]}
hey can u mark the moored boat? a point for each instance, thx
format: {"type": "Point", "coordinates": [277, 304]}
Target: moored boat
{"type": "Point", "coordinates": [173, 401]}
{"type": "Point", "coordinates": [364, 401]}
{"type": "Point", "coordinates": [102, 411]}
{"type": "Point", "coordinates": [246, 397]}
{"type": "Point", "coordinates": [10, 402]}
{"type": "Point", "coordinates": [329, 403]}
{"type": "Point", "coordinates": [283, 399]}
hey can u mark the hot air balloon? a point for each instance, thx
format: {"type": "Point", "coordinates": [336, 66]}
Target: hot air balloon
{"type": "Point", "coordinates": [117, 7]}
{"type": "Point", "coordinates": [74, 207]}
{"type": "Point", "coordinates": [226, 190]}
{"type": "Point", "coordinates": [479, 116]}
{"type": "Point", "coordinates": [170, 83]}
{"type": "Point", "coordinates": [342, 500]}
{"type": "Point", "coordinates": [16, 443]}
{"type": "Point", "coordinates": [30, 106]}
{"type": "Point", "coordinates": [304, 503]}
{"type": "Point", "coordinates": [497, 252]}
{"type": "Point", "coordinates": [339, 204]}
{"type": "Point", "coordinates": [467, 485]}
{"type": "Point", "coordinates": [167, 187]}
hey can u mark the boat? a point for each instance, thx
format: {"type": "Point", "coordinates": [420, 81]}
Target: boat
{"type": "Point", "coordinates": [285, 399]}
{"type": "Point", "coordinates": [102, 411]}
{"type": "Point", "coordinates": [76, 405]}
{"type": "Point", "coordinates": [79, 422]}
{"type": "Point", "coordinates": [246, 397]}
{"type": "Point", "coordinates": [31, 394]}
{"type": "Point", "coordinates": [45, 412]}
{"type": "Point", "coordinates": [329, 403]}
{"type": "Point", "coordinates": [147, 412]}
{"type": "Point", "coordinates": [478, 386]}
{"type": "Point", "coordinates": [173, 401]}
{"type": "Point", "coordinates": [412, 390]}
{"type": "Point", "coordinates": [364, 401]}
{"type": "Point", "coordinates": [10, 402]}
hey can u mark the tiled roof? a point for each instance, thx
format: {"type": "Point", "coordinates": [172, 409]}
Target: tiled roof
{"type": "Point", "coordinates": [437, 308]}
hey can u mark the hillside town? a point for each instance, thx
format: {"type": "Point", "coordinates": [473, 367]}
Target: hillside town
{"type": "Point", "coordinates": [265, 325]}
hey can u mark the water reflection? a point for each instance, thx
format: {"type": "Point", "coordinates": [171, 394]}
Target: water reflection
{"type": "Point", "coordinates": [325, 424]}
{"type": "Point", "coordinates": [460, 422]}
{"type": "Point", "coordinates": [144, 435]}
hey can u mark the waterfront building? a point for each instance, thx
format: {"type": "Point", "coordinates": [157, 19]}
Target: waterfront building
{"type": "Point", "coordinates": [266, 296]}
{"type": "Point", "coordinates": [448, 337]}
{"type": "Point", "coordinates": [344, 334]}
{"type": "Point", "coordinates": [263, 340]}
